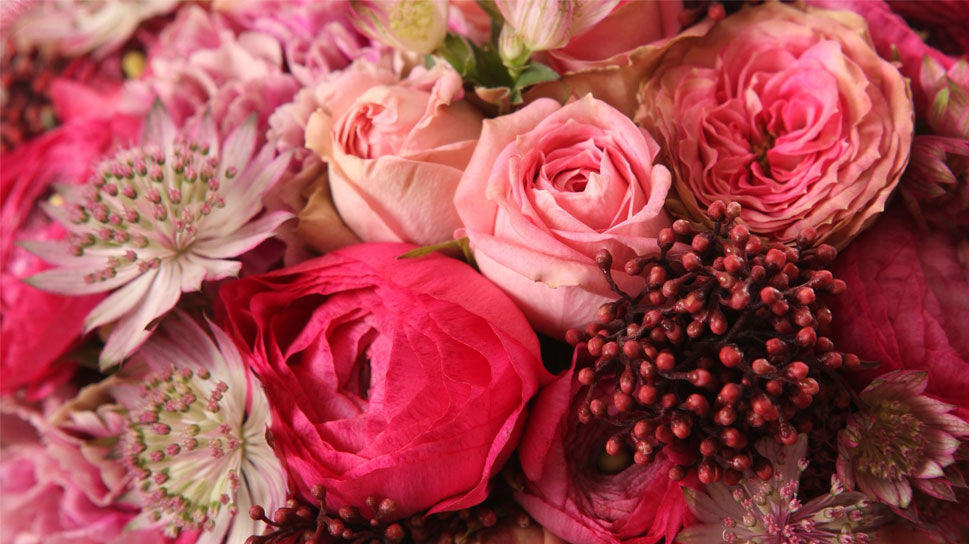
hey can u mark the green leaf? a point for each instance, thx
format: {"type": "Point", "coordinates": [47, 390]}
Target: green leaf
{"type": "Point", "coordinates": [460, 54]}
{"type": "Point", "coordinates": [535, 72]}
{"type": "Point", "coordinates": [459, 246]}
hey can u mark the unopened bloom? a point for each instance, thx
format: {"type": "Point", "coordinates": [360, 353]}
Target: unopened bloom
{"type": "Point", "coordinates": [770, 512]}
{"type": "Point", "coordinates": [412, 25]}
{"type": "Point", "coordinates": [549, 25]}
{"type": "Point", "coordinates": [156, 221]}
{"type": "Point", "coordinates": [196, 436]}
{"type": "Point", "coordinates": [899, 441]}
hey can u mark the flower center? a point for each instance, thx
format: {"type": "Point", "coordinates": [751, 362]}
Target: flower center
{"type": "Point", "coordinates": [892, 441]}
{"type": "Point", "coordinates": [184, 449]}
{"type": "Point", "coordinates": [145, 205]}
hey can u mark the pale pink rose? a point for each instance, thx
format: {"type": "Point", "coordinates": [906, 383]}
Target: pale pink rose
{"type": "Point", "coordinates": [548, 187]}
{"type": "Point", "coordinates": [395, 150]}
{"type": "Point", "coordinates": [631, 24]}
{"type": "Point", "coordinates": [789, 111]}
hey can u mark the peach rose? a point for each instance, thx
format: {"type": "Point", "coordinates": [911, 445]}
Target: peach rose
{"type": "Point", "coordinates": [395, 149]}
{"type": "Point", "coordinates": [789, 111]}
{"type": "Point", "coordinates": [549, 186]}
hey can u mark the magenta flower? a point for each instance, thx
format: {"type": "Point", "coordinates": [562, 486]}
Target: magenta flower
{"type": "Point", "coordinates": [900, 441]}
{"type": "Point", "coordinates": [157, 221]}
{"type": "Point", "coordinates": [770, 512]}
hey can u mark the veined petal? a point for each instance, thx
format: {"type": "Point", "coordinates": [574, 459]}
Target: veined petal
{"type": "Point", "coordinates": [120, 302]}
{"type": "Point", "coordinates": [158, 130]}
{"type": "Point", "coordinates": [243, 239]}
{"type": "Point", "coordinates": [68, 281]}
{"type": "Point", "coordinates": [130, 332]}
{"type": "Point", "coordinates": [216, 269]}
{"type": "Point", "coordinates": [239, 147]}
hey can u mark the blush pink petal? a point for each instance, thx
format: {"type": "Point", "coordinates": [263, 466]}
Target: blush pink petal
{"type": "Point", "coordinates": [549, 186]}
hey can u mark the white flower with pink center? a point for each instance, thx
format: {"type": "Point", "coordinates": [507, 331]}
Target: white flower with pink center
{"type": "Point", "coordinates": [196, 436]}
{"type": "Point", "coordinates": [157, 221]}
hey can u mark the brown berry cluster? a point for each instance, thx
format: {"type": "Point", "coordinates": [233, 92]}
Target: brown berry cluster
{"type": "Point", "coordinates": [298, 523]}
{"type": "Point", "coordinates": [722, 347]}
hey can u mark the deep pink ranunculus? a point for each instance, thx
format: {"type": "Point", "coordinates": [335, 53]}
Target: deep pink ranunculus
{"type": "Point", "coordinates": [405, 379]}
{"type": "Point", "coordinates": [34, 343]}
{"type": "Point", "coordinates": [568, 493]}
{"type": "Point", "coordinates": [905, 305]}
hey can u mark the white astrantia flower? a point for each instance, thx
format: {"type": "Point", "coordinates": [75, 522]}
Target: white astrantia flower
{"type": "Point", "coordinates": [195, 438]}
{"type": "Point", "coordinates": [157, 220]}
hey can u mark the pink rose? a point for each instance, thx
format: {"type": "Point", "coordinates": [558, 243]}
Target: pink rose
{"type": "Point", "coordinates": [405, 379]}
{"type": "Point", "coordinates": [568, 492]}
{"type": "Point", "coordinates": [549, 186]}
{"type": "Point", "coordinates": [609, 42]}
{"type": "Point", "coordinates": [905, 305]}
{"type": "Point", "coordinates": [788, 111]}
{"type": "Point", "coordinates": [396, 150]}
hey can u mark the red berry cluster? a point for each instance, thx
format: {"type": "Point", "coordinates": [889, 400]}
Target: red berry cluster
{"type": "Point", "coordinates": [298, 523]}
{"type": "Point", "coordinates": [722, 347]}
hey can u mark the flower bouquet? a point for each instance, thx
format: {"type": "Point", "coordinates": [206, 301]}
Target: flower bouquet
{"type": "Point", "coordinates": [497, 271]}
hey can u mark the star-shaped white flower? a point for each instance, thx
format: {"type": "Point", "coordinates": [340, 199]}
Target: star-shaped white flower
{"type": "Point", "coordinates": [157, 220]}
{"type": "Point", "coordinates": [195, 440]}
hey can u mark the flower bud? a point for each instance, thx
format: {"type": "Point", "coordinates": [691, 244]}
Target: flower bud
{"type": "Point", "coordinates": [412, 25]}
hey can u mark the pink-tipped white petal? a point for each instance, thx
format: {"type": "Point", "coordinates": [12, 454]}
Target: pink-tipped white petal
{"type": "Point", "coordinates": [243, 239]}
{"type": "Point", "coordinates": [120, 302]}
{"type": "Point", "coordinates": [158, 130]}
{"type": "Point", "coordinates": [66, 281]}
{"type": "Point", "coordinates": [130, 331]}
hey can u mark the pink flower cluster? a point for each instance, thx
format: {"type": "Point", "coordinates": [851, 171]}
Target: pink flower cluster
{"type": "Point", "coordinates": [303, 271]}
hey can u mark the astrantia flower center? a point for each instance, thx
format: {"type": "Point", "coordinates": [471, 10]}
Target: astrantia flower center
{"type": "Point", "coordinates": [185, 445]}
{"type": "Point", "coordinates": [146, 205]}
{"type": "Point", "coordinates": [892, 441]}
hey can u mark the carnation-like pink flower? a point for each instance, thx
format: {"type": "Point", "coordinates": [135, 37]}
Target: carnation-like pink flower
{"type": "Point", "coordinates": [197, 58]}
{"type": "Point", "coordinates": [195, 438]}
{"type": "Point", "coordinates": [158, 220]}
{"type": "Point", "coordinates": [787, 110]}
{"type": "Point", "coordinates": [399, 379]}
{"type": "Point", "coordinates": [771, 512]}
{"type": "Point", "coordinates": [55, 488]}
{"type": "Point", "coordinates": [900, 442]}
{"type": "Point", "coordinates": [547, 187]}
{"type": "Point", "coordinates": [317, 37]}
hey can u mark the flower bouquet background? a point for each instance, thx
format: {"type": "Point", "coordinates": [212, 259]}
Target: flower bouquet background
{"type": "Point", "coordinates": [280, 272]}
